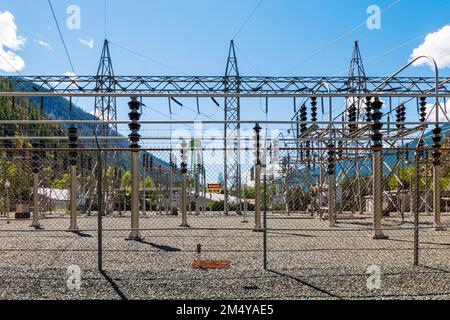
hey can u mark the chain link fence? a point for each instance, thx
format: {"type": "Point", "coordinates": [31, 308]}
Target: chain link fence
{"type": "Point", "coordinates": [312, 207]}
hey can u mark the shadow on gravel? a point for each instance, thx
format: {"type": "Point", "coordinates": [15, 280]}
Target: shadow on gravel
{"type": "Point", "coordinates": [116, 288]}
{"type": "Point", "coordinates": [81, 234]}
{"type": "Point", "coordinates": [434, 268]}
{"type": "Point", "coordinates": [160, 246]}
{"type": "Point", "coordinates": [306, 284]}
{"type": "Point", "coordinates": [421, 242]}
{"type": "Point", "coordinates": [291, 234]}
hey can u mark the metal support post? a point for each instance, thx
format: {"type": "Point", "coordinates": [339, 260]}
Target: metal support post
{"type": "Point", "coordinates": [416, 206]}
{"type": "Point", "coordinates": [377, 195]}
{"type": "Point", "coordinates": [134, 139]}
{"type": "Point", "coordinates": [197, 181]}
{"type": "Point", "coordinates": [257, 130]}
{"type": "Point", "coordinates": [36, 223]}
{"type": "Point", "coordinates": [135, 234]}
{"type": "Point", "coordinates": [184, 222]}
{"type": "Point", "coordinates": [73, 198]}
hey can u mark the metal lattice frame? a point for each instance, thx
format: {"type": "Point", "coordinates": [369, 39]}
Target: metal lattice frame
{"type": "Point", "coordinates": [211, 86]}
{"type": "Point", "coordinates": [232, 162]}
{"type": "Point", "coordinates": [105, 107]}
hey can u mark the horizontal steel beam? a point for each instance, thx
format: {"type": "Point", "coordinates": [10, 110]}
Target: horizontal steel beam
{"type": "Point", "coordinates": [216, 86]}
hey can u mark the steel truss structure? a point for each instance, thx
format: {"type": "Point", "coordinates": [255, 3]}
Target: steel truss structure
{"type": "Point", "coordinates": [362, 120]}
{"type": "Point", "coordinates": [216, 86]}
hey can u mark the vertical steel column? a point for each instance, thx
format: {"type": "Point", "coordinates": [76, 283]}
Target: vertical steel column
{"type": "Point", "coordinates": [257, 197]}
{"type": "Point", "coordinates": [377, 168]}
{"type": "Point", "coordinates": [36, 163]}
{"type": "Point", "coordinates": [331, 185]}
{"type": "Point", "coordinates": [73, 138]}
{"type": "Point", "coordinates": [416, 206]}
{"type": "Point", "coordinates": [100, 207]}
{"type": "Point", "coordinates": [134, 139]}
{"type": "Point", "coordinates": [265, 222]}
{"type": "Point", "coordinates": [437, 175]}
{"type": "Point", "coordinates": [377, 195]}
{"type": "Point", "coordinates": [184, 222]}
{"type": "Point", "coordinates": [197, 181]}
{"type": "Point", "coordinates": [35, 222]}
{"type": "Point", "coordinates": [257, 130]}
{"type": "Point", "coordinates": [437, 198]}
{"type": "Point", "coordinates": [73, 198]}
{"type": "Point", "coordinates": [134, 235]}
{"type": "Point", "coordinates": [144, 205]}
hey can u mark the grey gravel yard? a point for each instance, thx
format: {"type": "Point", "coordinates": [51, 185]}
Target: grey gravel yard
{"type": "Point", "coordinates": [306, 259]}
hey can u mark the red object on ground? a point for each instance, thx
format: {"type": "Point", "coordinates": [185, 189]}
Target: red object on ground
{"type": "Point", "coordinates": [211, 264]}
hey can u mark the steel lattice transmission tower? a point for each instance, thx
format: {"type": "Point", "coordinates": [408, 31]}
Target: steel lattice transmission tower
{"type": "Point", "coordinates": [355, 113]}
{"type": "Point", "coordinates": [105, 107]}
{"type": "Point", "coordinates": [232, 165]}
{"type": "Point", "coordinates": [357, 83]}
{"type": "Point", "coordinates": [105, 110]}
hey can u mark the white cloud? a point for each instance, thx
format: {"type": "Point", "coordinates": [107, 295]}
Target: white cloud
{"type": "Point", "coordinates": [10, 42]}
{"type": "Point", "coordinates": [89, 42]}
{"type": "Point", "coordinates": [44, 44]}
{"type": "Point", "coordinates": [70, 74]}
{"type": "Point", "coordinates": [436, 45]}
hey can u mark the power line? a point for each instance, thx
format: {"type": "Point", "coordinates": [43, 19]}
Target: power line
{"type": "Point", "coordinates": [61, 36]}
{"type": "Point", "coordinates": [248, 19]}
{"type": "Point", "coordinates": [338, 39]}
{"type": "Point", "coordinates": [15, 70]}
{"type": "Point", "coordinates": [248, 60]}
{"type": "Point", "coordinates": [147, 58]}
{"type": "Point", "coordinates": [9, 63]}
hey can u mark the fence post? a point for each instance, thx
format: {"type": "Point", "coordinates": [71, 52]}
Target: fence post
{"type": "Point", "coordinates": [416, 205]}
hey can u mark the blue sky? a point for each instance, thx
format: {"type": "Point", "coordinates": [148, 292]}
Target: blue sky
{"type": "Point", "coordinates": [193, 36]}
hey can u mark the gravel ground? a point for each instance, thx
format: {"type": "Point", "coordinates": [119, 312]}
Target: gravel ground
{"type": "Point", "coordinates": [308, 260]}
